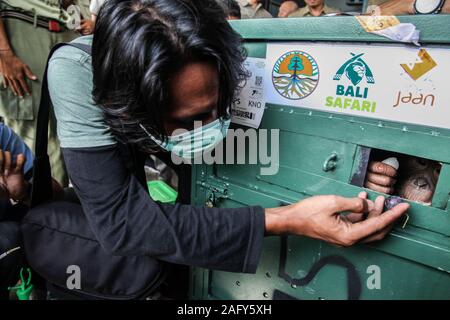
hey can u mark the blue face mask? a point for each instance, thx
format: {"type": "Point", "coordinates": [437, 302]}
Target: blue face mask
{"type": "Point", "coordinates": [191, 144]}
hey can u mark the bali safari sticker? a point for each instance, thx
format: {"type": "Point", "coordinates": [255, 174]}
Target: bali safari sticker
{"type": "Point", "coordinates": [352, 90]}
{"type": "Point", "coordinates": [248, 107]}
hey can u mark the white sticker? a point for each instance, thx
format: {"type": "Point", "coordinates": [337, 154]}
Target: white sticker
{"type": "Point", "coordinates": [392, 82]}
{"type": "Point", "coordinates": [248, 107]}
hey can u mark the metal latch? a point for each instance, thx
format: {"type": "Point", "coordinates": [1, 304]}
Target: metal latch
{"type": "Point", "coordinates": [211, 202]}
{"type": "Point", "coordinates": [331, 162]}
{"type": "Point", "coordinates": [216, 192]}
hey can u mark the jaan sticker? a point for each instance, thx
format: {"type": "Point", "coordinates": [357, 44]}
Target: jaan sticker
{"type": "Point", "coordinates": [248, 107]}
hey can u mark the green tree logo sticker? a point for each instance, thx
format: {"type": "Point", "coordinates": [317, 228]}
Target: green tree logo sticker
{"type": "Point", "coordinates": [295, 75]}
{"type": "Point", "coordinates": [296, 65]}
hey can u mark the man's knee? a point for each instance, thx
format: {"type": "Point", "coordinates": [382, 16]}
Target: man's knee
{"type": "Point", "coordinates": [9, 235]}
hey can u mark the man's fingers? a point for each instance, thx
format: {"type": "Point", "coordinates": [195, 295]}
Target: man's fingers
{"type": "Point", "coordinates": [369, 227]}
{"type": "Point", "coordinates": [20, 161]}
{"type": "Point", "coordinates": [377, 188]}
{"type": "Point", "coordinates": [7, 162]}
{"type": "Point", "coordinates": [379, 235]}
{"type": "Point", "coordinates": [357, 216]}
{"type": "Point", "coordinates": [23, 85]}
{"type": "Point", "coordinates": [13, 86]}
{"type": "Point", "coordinates": [382, 168]}
{"type": "Point", "coordinates": [83, 24]}
{"type": "Point", "coordinates": [18, 88]}
{"type": "Point", "coordinates": [5, 82]}
{"type": "Point", "coordinates": [356, 205]}
{"type": "Point", "coordinates": [1, 162]}
{"type": "Point", "coordinates": [30, 75]}
{"type": "Point", "coordinates": [381, 180]}
{"type": "Point", "coordinates": [354, 217]}
{"type": "Point", "coordinates": [378, 208]}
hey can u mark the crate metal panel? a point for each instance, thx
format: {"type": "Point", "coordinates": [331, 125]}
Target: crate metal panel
{"type": "Point", "coordinates": [414, 261]}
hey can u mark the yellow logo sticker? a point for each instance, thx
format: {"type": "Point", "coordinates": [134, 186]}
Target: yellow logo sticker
{"type": "Point", "coordinates": [421, 67]}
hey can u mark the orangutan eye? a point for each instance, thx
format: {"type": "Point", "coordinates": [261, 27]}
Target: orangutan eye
{"type": "Point", "coordinates": [421, 162]}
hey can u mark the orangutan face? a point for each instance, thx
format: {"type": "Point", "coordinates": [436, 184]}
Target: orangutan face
{"type": "Point", "coordinates": [419, 180]}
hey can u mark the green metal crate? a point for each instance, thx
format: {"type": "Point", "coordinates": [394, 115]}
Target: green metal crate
{"type": "Point", "coordinates": [413, 262]}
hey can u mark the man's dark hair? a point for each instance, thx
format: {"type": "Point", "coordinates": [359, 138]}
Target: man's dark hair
{"type": "Point", "coordinates": [139, 44]}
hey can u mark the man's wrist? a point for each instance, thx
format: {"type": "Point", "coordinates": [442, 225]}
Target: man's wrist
{"type": "Point", "coordinates": [277, 220]}
{"type": "Point", "coordinates": [6, 53]}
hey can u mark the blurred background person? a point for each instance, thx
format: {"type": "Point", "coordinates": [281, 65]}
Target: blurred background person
{"type": "Point", "coordinates": [253, 9]}
{"type": "Point", "coordinates": [16, 163]}
{"type": "Point", "coordinates": [94, 7]}
{"type": "Point", "coordinates": [287, 7]}
{"type": "Point", "coordinates": [313, 8]}
{"type": "Point", "coordinates": [28, 30]}
{"type": "Point", "coordinates": [88, 25]}
{"type": "Point", "coordinates": [231, 8]}
{"type": "Point", "coordinates": [16, 171]}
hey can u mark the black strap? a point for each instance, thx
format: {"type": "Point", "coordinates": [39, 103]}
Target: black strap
{"type": "Point", "coordinates": [42, 179]}
{"type": "Point", "coordinates": [353, 280]}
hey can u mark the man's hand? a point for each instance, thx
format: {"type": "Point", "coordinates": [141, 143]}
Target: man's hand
{"type": "Point", "coordinates": [15, 72]}
{"type": "Point", "coordinates": [4, 194]}
{"type": "Point", "coordinates": [380, 177]}
{"type": "Point", "coordinates": [322, 217]}
{"type": "Point", "coordinates": [86, 27]}
{"type": "Point", "coordinates": [12, 176]}
{"type": "Point", "coordinates": [286, 8]}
